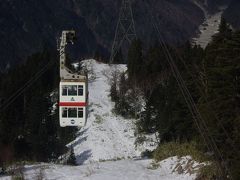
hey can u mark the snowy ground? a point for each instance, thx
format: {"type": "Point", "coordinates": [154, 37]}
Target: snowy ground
{"type": "Point", "coordinates": [105, 148]}
{"type": "Point", "coordinates": [208, 28]}
{"type": "Point", "coordinates": [115, 170]}
{"type": "Point", "coordinates": [168, 169]}
{"type": "Point", "coordinates": [106, 135]}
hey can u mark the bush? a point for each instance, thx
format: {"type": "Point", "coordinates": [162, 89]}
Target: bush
{"type": "Point", "coordinates": [170, 149]}
{"type": "Point", "coordinates": [18, 177]}
{"type": "Point", "coordinates": [72, 158]}
{"type": "Point", "coordinates": [208, 172]}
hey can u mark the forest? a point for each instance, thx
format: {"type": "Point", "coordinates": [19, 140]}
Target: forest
{"type": "Point", "coordinates": [211, 76]}
{"type": "Point", "coordinates": [29, 124]}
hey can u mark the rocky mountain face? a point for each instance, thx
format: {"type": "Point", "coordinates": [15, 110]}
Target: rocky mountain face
{"type": "Point", "coordinates": [28, 26]}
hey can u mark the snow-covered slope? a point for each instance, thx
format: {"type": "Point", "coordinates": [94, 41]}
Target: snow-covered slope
{"type": "Point", "coordinates": [169, 169]}
{"type": "Point", "coordinates": [106, 135]}
{"type": "Point", "coordinates": [208, 28]}
{"type": "Point", "coordinates": [105, 148]}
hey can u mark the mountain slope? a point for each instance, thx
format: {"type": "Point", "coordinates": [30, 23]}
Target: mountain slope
{"type": "Point", "coordinates": [105, 148]}
{"type": "Point", "coordinates": [106, 136]}
{"type": "Point", "coordinates": [30, 25]}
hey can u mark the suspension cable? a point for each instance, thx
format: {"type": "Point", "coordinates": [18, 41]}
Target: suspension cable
{"type": "Point", "coordinates": [199, 121]}
{"type": "Point", "coordinates": [232, 143]}
{"type": "Point", "coordinates": [28, 84]}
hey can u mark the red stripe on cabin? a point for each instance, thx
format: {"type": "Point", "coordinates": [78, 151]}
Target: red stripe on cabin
{"type": "Point", "coordinates": [72, 104]}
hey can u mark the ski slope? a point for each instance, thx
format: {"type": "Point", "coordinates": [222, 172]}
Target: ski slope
{"type": "Point", "coordinates": [105, 148]}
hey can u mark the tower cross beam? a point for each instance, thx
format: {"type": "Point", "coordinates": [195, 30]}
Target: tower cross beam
{"type": "Point", "coordinates": [125, 30]}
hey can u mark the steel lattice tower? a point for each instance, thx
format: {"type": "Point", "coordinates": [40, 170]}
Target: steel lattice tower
{"type": "Point", "coordinates": [125, 30]}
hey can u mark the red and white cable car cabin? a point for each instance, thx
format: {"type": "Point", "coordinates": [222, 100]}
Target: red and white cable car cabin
{"type": "Point", "coordinates": [73, 89]}
{"type": "Point", "coordinates": [73, 103]}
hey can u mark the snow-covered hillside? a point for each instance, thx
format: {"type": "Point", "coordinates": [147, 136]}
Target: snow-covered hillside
{"type": "Point", "coordinates": [106, 136]}
{"type": "Point", "coordinates": [208, 28]}
{"type": "Point", "coordinates": [105, 148]}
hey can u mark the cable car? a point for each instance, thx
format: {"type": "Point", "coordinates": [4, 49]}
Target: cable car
{"type": "Point", "coordinates": [73, 89]}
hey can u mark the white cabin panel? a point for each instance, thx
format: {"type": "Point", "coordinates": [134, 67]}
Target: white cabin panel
{"type": "Point", "coordinates": [72, 92]}
{"type": "Point", "coordinates": [68, 119]}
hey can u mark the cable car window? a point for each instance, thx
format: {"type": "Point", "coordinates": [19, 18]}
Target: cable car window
{"type": "Point", "coordinates": [64, 112]}
{"type": "Point", "coordinates": [80, 90]}
{"type": "Point", "coordinates": [72, 112]}
{"type": "Point", "coordinates": [72, 90]}
{"type": "Point", "coordinates": [64, 90]}
{"type": "Point", "coordinates": [80, 112]}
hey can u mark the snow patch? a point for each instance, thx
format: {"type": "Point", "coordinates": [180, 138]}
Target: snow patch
{"type": "Point", "coordinates": [208, 28]}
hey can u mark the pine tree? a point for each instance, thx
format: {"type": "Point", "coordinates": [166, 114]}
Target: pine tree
{"type": "Point", "coordinates": [122, 105]}
{"type": "Point", "coordinates": [224, 34]}
{"type": "Point", "coordinates": [97, 56]}
{"type": "Point", "coordinates": [224, 27]}
{"type": "Point", "coordinates": [27, 123]}
{"type": "Point", "coordinates": [222, 106]}
{"type": "Point", "coordinates": [113, 92]}
{"type": "Point", "coordinates": [135, 60]}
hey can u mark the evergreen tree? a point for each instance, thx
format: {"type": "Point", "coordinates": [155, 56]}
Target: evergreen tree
{"type": "Point", "coordinates": [28, 124]}
{"type": "Point", "coordinates": [114, 92]}
{"type": "Point", "coordinates": [221, 108]}
{"type": "Point", "coordinates": [224, 34]}
{"type": "Point", "coordinates": [135, 60]}
{"type": "Point", "coordinates": [97, 55]}
{"type": "Point", "coordinates": [122, 106]}
{"type": "Point", "coordinates": [224, 27]}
